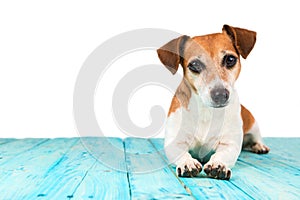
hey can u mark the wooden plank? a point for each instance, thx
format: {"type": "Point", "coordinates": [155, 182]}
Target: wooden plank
{"type": "Point", "coordinates": [274, 175]}
{"type": "Point", "coordinates": [149, 175]}
{"type": "Point", "coordinates": [206, 188]}
{"type": "Point", "coordinates": [250, 188]}
{"type": "Point", "coordinates": [285, 150]}
{"type": "Point", "coordinates": [260, 185]}
{"type": "Point", "coordinates": [285, 145]}
{"type": "Point", "coordinates": [54, 170]}
{"type": "Point", "coordinates": [96, 169]}
{"type": "Point", "coordinates": [271, 164]}
{"type": "Point", "coordinates": [107, 179]}
{"type": "Point", "coordinates": [23, 172]}
{"type": "Point", "coordinates": [103, 184]}
{"type": "Point", "coordinates": [109, 151]}
{"type": "Point", "coordinates": [63, 181]}
{"type": "Point", "coordinates": [14, 149]}
{"type": "Point", "coordinates": [6, 140]}
{"type": "Point", "coordinates": [2, 142]}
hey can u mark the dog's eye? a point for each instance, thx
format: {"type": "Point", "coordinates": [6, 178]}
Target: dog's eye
{"type": "Point", "coordinates": [196, 66]}
{"type": "Point", "coordinates": [229, 61]}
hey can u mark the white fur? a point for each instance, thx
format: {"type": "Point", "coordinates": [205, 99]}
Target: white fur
{"type": "Point", "coordinates": [205, 131]}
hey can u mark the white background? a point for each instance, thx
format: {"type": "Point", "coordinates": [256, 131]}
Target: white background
{"type": "Point", "coordinates": [43, 45]}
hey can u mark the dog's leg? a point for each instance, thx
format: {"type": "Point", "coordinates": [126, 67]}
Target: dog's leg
{"type": "Point", "coordinates": [225, 157]}
{"type": "Point", "coordinates": [177, 153]}
{"type": "Point", "coordinates": [229, 146]}
{"type": "Point", "coordinates": [177, 144]}
{"type": "Point", "coordinates": [252, 137]}
{"type": "Point", "coordinates": [253, 142]}
{"type": "Point", "coordinates": [187, 166]}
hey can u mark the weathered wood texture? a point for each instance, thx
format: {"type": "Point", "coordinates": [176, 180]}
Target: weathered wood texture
{"type": "Point", "coordinates": [134, 168]}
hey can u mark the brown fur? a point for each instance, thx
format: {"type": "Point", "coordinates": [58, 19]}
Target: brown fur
{"type": "Point", "coordinates": [180, 50]}
{"type": "Point", "coordinates": [248, 119]}
{"type": "Point", "coordinates": [242, 39]}
{"type": "Point", "coordinates": [169, 54]}
{"type": "Point", "coordinates": [181, 97]}
{"type": "Point", "coordinates": [175, 104]}
{"type": "Point", "coordinates": [211, 45]}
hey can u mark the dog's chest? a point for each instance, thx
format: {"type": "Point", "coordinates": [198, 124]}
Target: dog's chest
{"type": "Point", "coordinates": [203, 121]}
{"type": "Point", "coordinates": [205, 126]}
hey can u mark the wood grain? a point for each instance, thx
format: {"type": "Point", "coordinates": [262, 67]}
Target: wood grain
{"type": "Point", "coordinates": [205, 188]}
{"type": "Point", "coordinates": [135, 168]}
{"type": "Point", "coordinates": [149, 175]}
{"type": "Point", "coordinates": [26, 165]}
{"type": "Point", "coordinates": [107, 178]}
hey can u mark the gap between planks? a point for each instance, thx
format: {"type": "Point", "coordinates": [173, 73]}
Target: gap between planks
{"type": "Point", "coordinates": [170, 168]}
{"type": "Point", "coordinates": [193, 185]}
{"type": "Point", "coordinates": [190, 185]}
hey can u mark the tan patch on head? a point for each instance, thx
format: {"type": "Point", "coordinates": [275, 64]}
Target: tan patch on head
{"type": "Point", "coordinates": [213, 43]}
{"type": "Point", "coordinates": [217, 45]}
{"type": "Point", "coordinates": [210, 50]}
{"type": "Point", "coordinates": [248, 119]}
{"type": "Point", "coordinates": [212, 47]}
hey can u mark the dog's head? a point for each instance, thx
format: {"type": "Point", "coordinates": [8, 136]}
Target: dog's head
{"type": "Point", "coordinates": [211, 63]}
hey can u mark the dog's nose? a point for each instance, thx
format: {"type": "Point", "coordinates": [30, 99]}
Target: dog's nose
{"type": "Point", "coordinates": [219, 95]}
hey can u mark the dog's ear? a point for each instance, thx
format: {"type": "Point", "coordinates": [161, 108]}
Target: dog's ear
{"type": "Point", "coordinates": [171, 54]}
{"type": "Point", "coordinates": [242, 39]}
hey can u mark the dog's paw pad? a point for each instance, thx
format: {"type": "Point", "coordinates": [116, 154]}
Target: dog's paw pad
{"type": "Point", "coordinates": [260, 148]}
{"type": "Point", "coordinates": [217, 170]}
{"type": "Point", "coordinates": [189, 168]}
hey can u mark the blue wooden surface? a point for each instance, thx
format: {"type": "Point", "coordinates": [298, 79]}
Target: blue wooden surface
{"type": "Point", "coordinates": [112, 168]}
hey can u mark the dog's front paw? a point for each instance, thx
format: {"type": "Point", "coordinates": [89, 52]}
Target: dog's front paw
{"type": "Point", "coordinates": [189, 168]}
{"type": "Point", "coordinates": [217, 170]}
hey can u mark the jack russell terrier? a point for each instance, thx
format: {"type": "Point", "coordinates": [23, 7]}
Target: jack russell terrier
{"type": "Point", "coordinates": [206, 123]}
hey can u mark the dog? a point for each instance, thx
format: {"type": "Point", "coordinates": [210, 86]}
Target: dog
{"type": "Point", "coordinates": [207, 127]}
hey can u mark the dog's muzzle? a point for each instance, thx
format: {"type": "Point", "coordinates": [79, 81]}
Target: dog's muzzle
{"type": "Point", "coordinates": [219, 96]}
